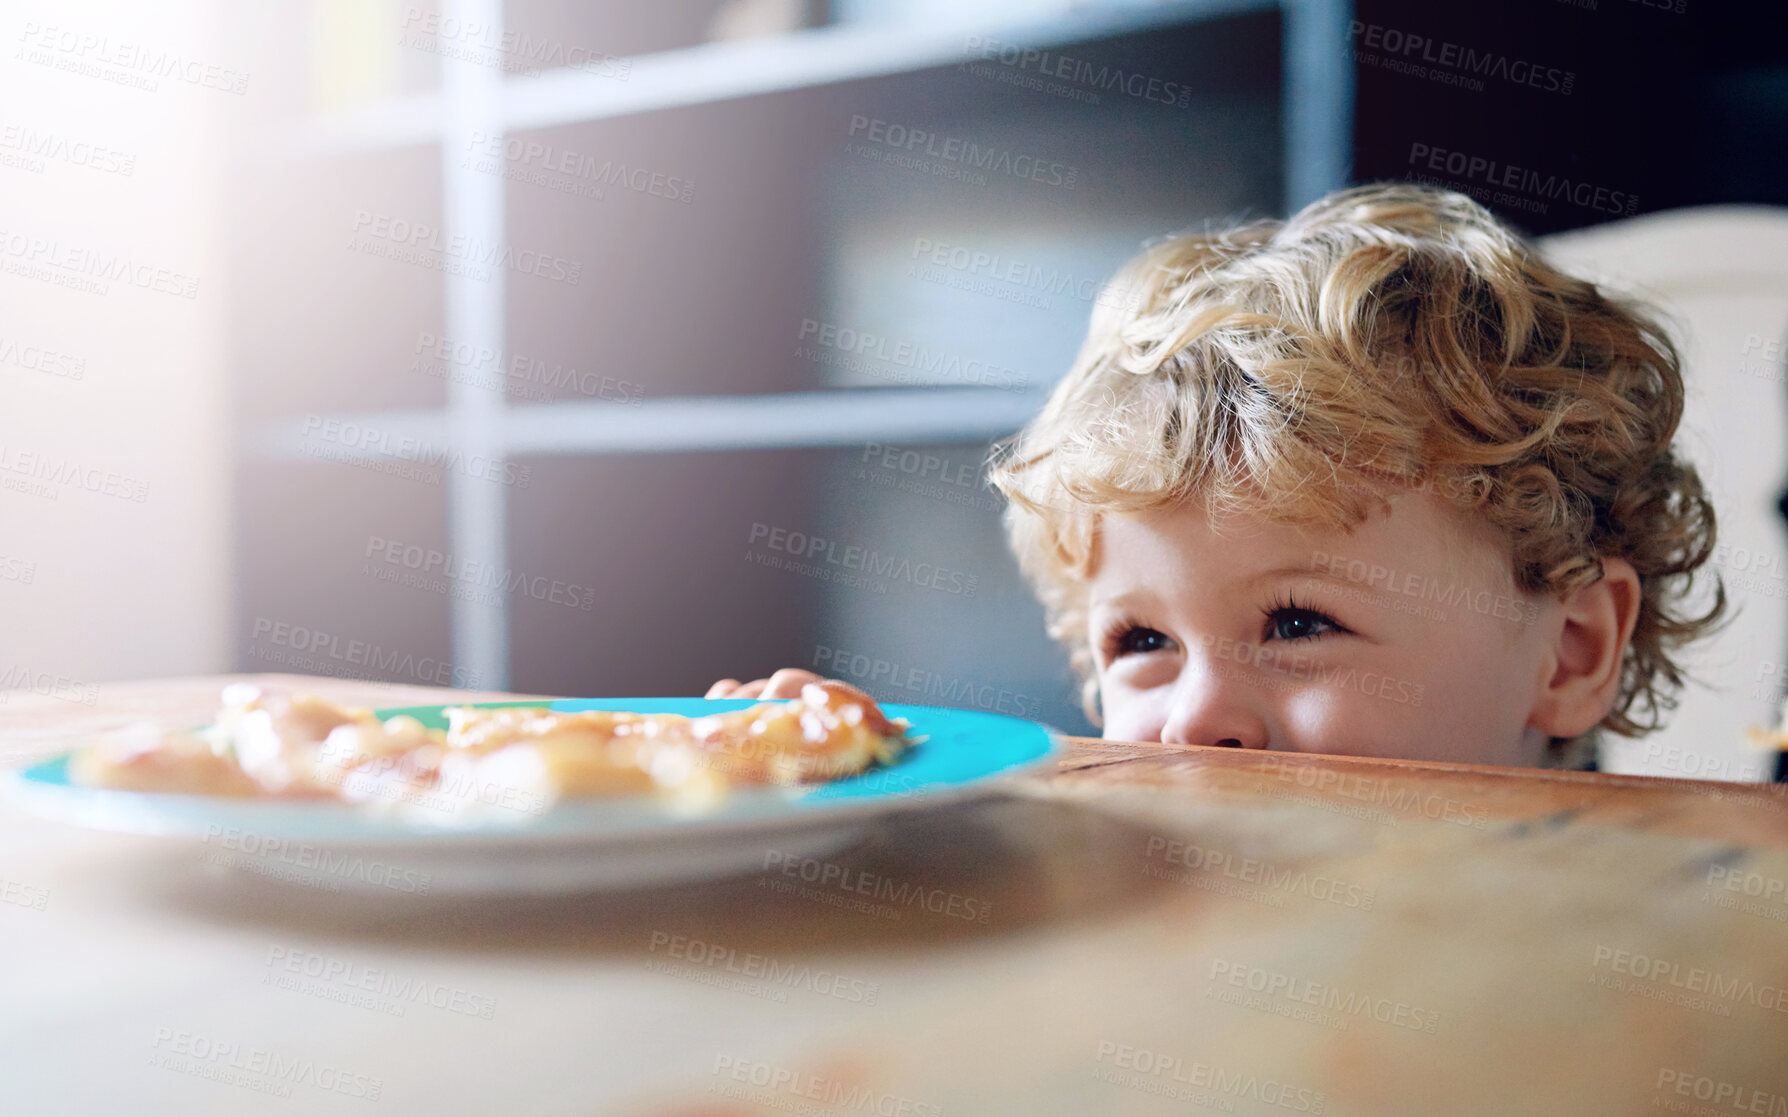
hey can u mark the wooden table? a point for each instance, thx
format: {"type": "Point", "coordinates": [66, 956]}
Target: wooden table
{"type": "Point", "coordinates": [1148, 930]}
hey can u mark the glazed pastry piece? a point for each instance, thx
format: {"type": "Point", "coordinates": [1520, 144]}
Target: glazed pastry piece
{"type": "Point", "coordinates": [827, 733]}
{"type": "Point", "coordinates": [260, 744]}
{"type": "Point", "coordinates": [145, 759]}
{"type": "Point", "coordinates": [515, 757]}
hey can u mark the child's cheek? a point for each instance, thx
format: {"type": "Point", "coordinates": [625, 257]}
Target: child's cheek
{"type": "Point", "coordinates": [1128, 717]}
{"type": "Point", "coordinates": [1341, 721]}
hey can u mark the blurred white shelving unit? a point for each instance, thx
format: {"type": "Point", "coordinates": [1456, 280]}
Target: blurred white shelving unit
{"type": "Point", "coordinates": [476, 98]}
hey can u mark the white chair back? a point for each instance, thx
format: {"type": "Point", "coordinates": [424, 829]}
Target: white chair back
{"type": "Point", "coordinates": [1721, 274]}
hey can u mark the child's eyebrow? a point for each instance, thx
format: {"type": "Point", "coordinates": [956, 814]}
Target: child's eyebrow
{"type": "Point", "coordinates": [1303, 571]}
{"type": "Point", "coordinates": [1129, 599]}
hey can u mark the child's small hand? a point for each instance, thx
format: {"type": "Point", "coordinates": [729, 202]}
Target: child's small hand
{"type": "Point", "coordinates": [786, 683]}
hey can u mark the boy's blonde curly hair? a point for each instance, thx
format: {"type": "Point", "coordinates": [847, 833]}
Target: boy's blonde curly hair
{"type": "Point", "coordinates": [1388, 337]}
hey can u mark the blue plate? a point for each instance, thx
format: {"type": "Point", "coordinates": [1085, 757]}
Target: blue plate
{"type": "Point", "coordinates": [576, 844]}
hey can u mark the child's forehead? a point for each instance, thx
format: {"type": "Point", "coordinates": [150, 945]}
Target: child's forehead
{"type": "Point", "coordinates": [1415, 531]}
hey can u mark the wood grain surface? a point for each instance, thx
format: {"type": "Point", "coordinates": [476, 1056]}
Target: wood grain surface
{"type": "Point", "coordinates": [1146, 930]}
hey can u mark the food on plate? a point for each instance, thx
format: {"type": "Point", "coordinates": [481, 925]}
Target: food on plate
{"type": "Point", "coordinates": [300, 746]}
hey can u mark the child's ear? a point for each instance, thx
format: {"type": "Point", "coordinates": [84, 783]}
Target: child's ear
{"type": "Point", "coordinates": [1581, 671]}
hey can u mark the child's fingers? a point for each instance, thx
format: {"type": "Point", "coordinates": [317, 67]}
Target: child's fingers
{"type": "Point", "coordinates": [836, 686]}
{"type": "Point", "coordinates": [733, 688]}
{"type": "Point", "coordinates": [787, 683]}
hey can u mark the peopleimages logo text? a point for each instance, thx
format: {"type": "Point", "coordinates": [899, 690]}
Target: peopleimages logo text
{"type": "Point", "coordinates": [1330, 998]}
{"type": "Point", "coordinates": [853, 556]}
{"type": "Point", "coordinates": [378, 980]}
{"type": "Point", "coordinates": [61, 471]}
{"type": "Point", "coordinates": [306, 855]}
{"type": "Point", "coordinates": [902, 893]}
{"type": "Point", "coordinates": [953, 149]}
{"type": "Point", "coordinates": [257, 1068]}
{"type": "Point", "coordinates": [464, 248]}
{"type": "Point", "coordinates": [87, 53]}
{"type": "Point", "coordinates": [531, 155]}
{"type": "Point", "coordinates": [360, 653]}
{"type": "Point", "coordinates": [37, 147]}
{"type": "Point", "coordinates": [1077, 71]}
{"type": "Point", "coordinates": [1215, 1083]}
{"type": "Point", "coordinates": [377, 442]}
{"type": "Point", "coordinates": [1524, 179]}
{"type": "Point", "coordinates": [88, 264]}
{"type": "Point", "coordinates": [994, 267]}
{"type": "Point", "coordinates": [1462, 59]}
{"type": "Point", "coordinates": [933, 364]}
{"type": "Point", "coordinates": [456, 574]}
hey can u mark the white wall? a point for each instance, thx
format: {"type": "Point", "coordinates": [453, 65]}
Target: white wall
{"type": "Point", "coordinates": [109, 125]}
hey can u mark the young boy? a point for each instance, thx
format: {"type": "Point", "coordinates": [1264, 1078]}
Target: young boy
{"type": "Point", "coordinates": [1373, 481]}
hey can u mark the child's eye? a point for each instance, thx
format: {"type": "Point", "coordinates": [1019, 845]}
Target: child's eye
{"type": "Point", "coordinates": [1136, 640]}
{"type": "Point", "coordinates": [1288, 621]}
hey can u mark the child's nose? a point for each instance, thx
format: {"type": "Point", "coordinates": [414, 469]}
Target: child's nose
{"type": "Point", "coordinates": [1208, 708]}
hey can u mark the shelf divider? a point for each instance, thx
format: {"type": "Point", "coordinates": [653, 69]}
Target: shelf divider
{"type": "Point", "coordinates": [680, 424]}
{"type": "Point", "coordinates": [1316, 99]}
{"type": "Point", "coordinates": [713, 72]}
{"type": "Point", "coordinates": [472, 206]}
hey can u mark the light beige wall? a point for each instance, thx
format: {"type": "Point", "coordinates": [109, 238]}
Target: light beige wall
{"type": "Point", "coordinates": [110, 114]}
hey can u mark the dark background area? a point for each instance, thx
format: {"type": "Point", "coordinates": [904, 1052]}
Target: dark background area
{"type": "Point", "coordinates": [1678, 108]}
